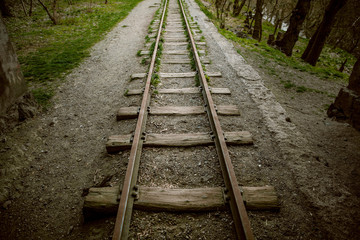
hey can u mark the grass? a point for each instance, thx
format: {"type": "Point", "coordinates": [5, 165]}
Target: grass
{"type": "Point", "coordinates": [155, 80]}
{"type": "Point", "coordinates": [329, 61]}
{"type": "Point", "coordinates": [143, 61]}
{"type": "Point", "coordinates": [301, 89]}
{"type": "Point", "coordinates": [48, 52]}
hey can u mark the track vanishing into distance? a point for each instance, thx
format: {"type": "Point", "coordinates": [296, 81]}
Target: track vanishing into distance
{"type": "Point", "coordinates": [176, 75]}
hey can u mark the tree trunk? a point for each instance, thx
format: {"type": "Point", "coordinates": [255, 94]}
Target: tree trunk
{"type": "Point", "coordinates": [347, 103]}
{"type": "Point", "coordinates": [217, 6]}
{"type": "Point", "coordinates": [317, 41]}
{"type": "Point", "coordinates": [54, 11]}
{"type": "Point", "coordinates": [275, 9]}
{"type": "Point", "coordinates": [30, 8]}
{"type": "Point", "coordinates": [11, 79]}
{"type": "Point", "coordinates": [52, 18]}
{"type": "Point", "coordinates": [23, 6]}
{"type": "Point", "coordinates": [5, 11]}
{"type": "Point", "coordinates": [287, 43]}
{"type": "Point", "coordinates": [342, 67]}
{"type": "Point", "coordinates": [354, 80]}
{"type": "Point", "coordinates": [237, 8]}
{"type": "Point", "coordinates": [258, 21]}
{"type": "Point", "coordinates": [222, 15]}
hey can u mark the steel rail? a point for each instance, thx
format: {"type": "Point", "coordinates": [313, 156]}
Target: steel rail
{"type": "Point", "coordinates": [123, 217]}
{"type": "Point", "coordinates": [240, 217]}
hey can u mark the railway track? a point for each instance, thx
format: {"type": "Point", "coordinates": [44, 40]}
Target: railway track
{"type": "Point", "coordinates": [177, 73]}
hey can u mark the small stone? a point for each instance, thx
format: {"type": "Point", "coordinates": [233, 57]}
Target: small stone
{"type": "Point", "coordinates": [288, 119]}
{"type": "Point", "coordinates": [70, 229]}
{"type": "Point", "coordinates": [6, 204]}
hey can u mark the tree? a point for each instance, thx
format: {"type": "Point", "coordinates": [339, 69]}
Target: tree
{"type": "Point", "coordinates": [347, 103]}
{"type": "Point", "coordinates": [11, 79]}
{"type": "Point", "coordinates": [238, 7]}
{"type": "Point", "coordinates": [287, 43]}
{"type": "Point", "coordinates": [220, 11]}
{"type": "Point", "coordinates": [257, 33]}
{"type": "Point", "coordinates": [5, 11]}
{"type": "Point", "coordinates": [354, 80]}
{"type": "Point", "coordinates": [23, 6]}
{"type": "Point", "coordinates": [52, 17]}
{"type": "Point", "coordinates": [317, 41]}
{"type": "Point", "coordinates": [31, 7]}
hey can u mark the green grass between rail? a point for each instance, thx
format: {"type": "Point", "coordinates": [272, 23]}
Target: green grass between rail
{"type": "Point", "coordinates": [48, 52]}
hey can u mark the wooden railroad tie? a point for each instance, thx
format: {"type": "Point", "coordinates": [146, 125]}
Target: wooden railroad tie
{"type": "Point", "coordinates": [180, 39]}
{"type": "Point", "coordinates": [171, 52]}
{"type": "Point", "coordinates": [105, 200]}
{"type": "Point", "coordinates": [175, 75]}
{"type": "Point", "coordinates": [132, 112]}
{"type": "Point", "coordinates": [182, 61]}
{"type": "Point", "coordinates": [225, 91]}
{"type": "Point", "coordinates": [118, 143]}
{"type": "Point", "coordinates": [183, 43]}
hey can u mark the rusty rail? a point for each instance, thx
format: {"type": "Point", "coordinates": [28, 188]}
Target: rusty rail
{"type": "Point", "coordinates": [240, 217]}
{"type": "Point", "coordinates": [123, 217]}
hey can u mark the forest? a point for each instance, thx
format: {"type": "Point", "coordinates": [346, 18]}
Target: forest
{"type": "Point", "coordinates": [317, 36]}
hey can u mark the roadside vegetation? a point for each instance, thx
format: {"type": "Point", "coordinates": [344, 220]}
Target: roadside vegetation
{"type": "Point", "coordinates": [327, 66]}
{"type": "Point", "coordinates": [48, 51]}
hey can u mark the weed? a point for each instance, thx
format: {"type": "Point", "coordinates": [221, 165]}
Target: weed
{"type": "Point", "coordinates": [288, 84]}
{"type": "Point", "coordinates": [203, 67]}
{"type": "Point", "coordinates": [301, 89]}
{"type": "Point", "coordinates": [197, 80]}
{"type": "Point", "coordinates": [152, 48]}
{"type": "Point", "coordinates": [207, 78]}
{"type": "Point", "coordinates": [147, 39]}
{"type": "Point", "coordinates": [43, 96]}
{"type": "Point", "coordinates": [138, 53]}
{"type": "Point", "coordinates": [143, 61]}
{"type": "Point", "coordinates": [155, 80]}
{"type": "Point", "coordinates": [126, 92]}
{"type": "Point", "coordinates": [193, 65]}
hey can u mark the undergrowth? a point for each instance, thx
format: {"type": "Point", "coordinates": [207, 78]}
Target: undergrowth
{"type": "Point", "coordinates": [48, 52]}
{"type": "Point", "coordinates": [326, 68]}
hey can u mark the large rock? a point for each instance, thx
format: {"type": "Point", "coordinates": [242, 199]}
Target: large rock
{"type": "Point", "coordinates": [346, 107]}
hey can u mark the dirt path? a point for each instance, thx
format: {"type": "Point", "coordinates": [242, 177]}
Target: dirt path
{"type": "Point", "coordinates": [47, 162]}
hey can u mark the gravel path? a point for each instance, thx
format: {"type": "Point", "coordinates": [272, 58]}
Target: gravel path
{"type": "Point", "coordinates": [53, 157]}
